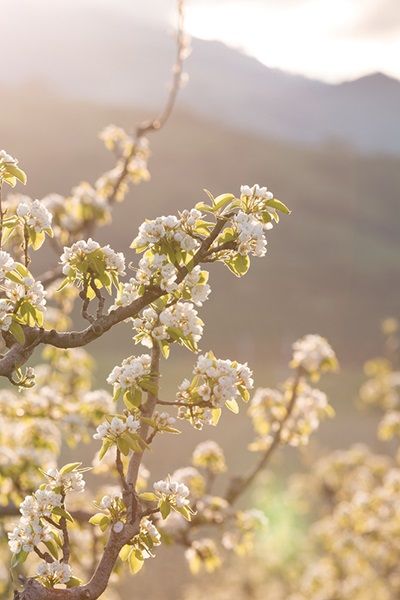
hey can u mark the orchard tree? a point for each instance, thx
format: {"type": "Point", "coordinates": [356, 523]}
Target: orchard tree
{"type": "Point", "coordinates": [349, 502]}
{"type": "Point", "coordinates": [67, 543]}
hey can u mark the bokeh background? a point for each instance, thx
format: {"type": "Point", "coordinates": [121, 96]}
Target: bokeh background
{"type": "Point", "coordinates": [300, 95]}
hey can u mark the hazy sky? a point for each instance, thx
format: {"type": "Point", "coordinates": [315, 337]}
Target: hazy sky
{"type": "Point", "coordinates": [327, 39]}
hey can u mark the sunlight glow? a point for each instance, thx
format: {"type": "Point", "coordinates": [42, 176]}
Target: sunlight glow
{"type": "Point", "coordinates": [316, 38]}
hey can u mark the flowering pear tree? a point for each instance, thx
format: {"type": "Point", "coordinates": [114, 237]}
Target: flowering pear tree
{"type": "Point", "coordinates": [49, 515]}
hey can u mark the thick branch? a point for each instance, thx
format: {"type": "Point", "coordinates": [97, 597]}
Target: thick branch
{"type": "Point", "coordinates": [148, 409]}
{"type": "Point", "coordinates": [19, 354]}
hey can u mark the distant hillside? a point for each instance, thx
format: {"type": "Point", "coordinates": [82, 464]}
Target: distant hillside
{"type": "Point", "coordinates": [333, 266]}
{"type": "Point", "coordinates": [105, 56]}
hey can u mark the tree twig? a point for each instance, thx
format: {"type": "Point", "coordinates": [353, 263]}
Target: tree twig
{"type": "Point", "coordinates": [239, 485]}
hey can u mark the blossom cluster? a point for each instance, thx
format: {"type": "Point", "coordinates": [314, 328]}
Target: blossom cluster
{"type": "Point", "coordinates": [215, 382]}
{"type": "Point", "coordinates": [130, 372]}
{"type": "Point", "coordinates": [7, 159]}
{"type": "Point", "coordinates": [177, 231]}
{"type": "Point", "coordinates": [209, 455]}
{"type": "Point", "coordinates": [162, 420]}
{"type": "Point", "coordinates": [147, 527]}
{"type": "Point", "coordinates": [175, 493]}
{"type": "Point", "coordinates": [203, 553]}
{"type": "Point", "coordinates": [149, 327]}
{"type": "Point", "coordinates": [293, 419]}
{"type": "Point", "coordinates": [28, 290]}
{"type": "Point", "coordinates": [195, 286]}
{"type": "Point", "coordinates": [33, 528]}
{"type": "Point", "coordinates": [313, 354]}
{"type": "Point", "coordinates": [70, 214]}
{"type": "Point", "coordinates": [66, 481]}
{"type": "Point", "coordinates": [240, 539]}
{"type": "Point", "coordinates": [53, 573]}
{"type": "Point", "coordinates": [40, 504]}
{"type": "Point", "coordinates": [181, 320]}
{"type": "Point", "coordinates": [9, 170]}
{"type": "Point", "coordinates": [250, 234]}
{"type": "Point", "coordinates": [116, 427]}
{"type": "Point", "coordinates": [35, 215]}
{"type": "Point", "coordinates": [193, 480]}
{"type": "Point", "coordinates": [28, 534]}
{"type": "Point", "coordinates": [255, 193]}
{"type": "Point", "coordinates": [7, 263]}
{"type": "Point", "coordinates": [89, 257]}
{"type": "Point", "coordinates": [116, 138]}
{"type": "Point", "coordinates": [155, 268]}
{"type": "Point", "coordinates": [112, 185]}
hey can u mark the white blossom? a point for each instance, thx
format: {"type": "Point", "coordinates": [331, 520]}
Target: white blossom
{"type": "Point", "coordinates": [184, 317]}
{"type": "Point", "coordinates": [117, 427]}
{"type": "Point", "coordinates": [29, 532]}
{"type": "Point", "coordinates": [6, 158]}
{"type": "Point", "coordinates": [7, 263]}
{"type": "Point", "coordinates": [6, 309]}
{"type": "Point", "coordinates": [34, 214]}
{"type": "Point", "coordinates": [73, 255]}
{"type": "Point", "coordinates": [209, 455]}
{"type": "Point", "coordinates": [54, 572]}
{"type": "Point", "coordinates": [176, 493]}
{"type": "Point", "coordinates": [148, 527]}
{"type": "Point", "coordinates": [40, 504]}
{"type": "Point", "coordinates": [257, 192]}
{"type": "Point", "coordinates": [313, 352]}
{"type": "Point", "coordinates": [68, 482]}
{"type": "Point", "coordinates": [131, 369]}
{"type": "Point", "coordinates": [30, 290]}
{"type": "Point", "coordinates": [156, 268]}
{"type": "Point", "coordinates": [251, 238]}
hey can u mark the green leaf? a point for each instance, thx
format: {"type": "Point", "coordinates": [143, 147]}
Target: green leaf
{"type": "Point", "coordinates": [135, 564]}
{"type": "Point", "coordinates": [123, 446]}
{"type": "Point", "coordinates": [52, 548]}
{"type": "Point", "coordinates": [244, 392]}
{"type": "Point", "coordinates": [104, 448]}
{"type": "Point", "coordinates": [164, 346]}
{"type": "Point", "coordinates": [37, 239]}
{"type": "Point", "coordinates": [133, 398]}
{"type": "Point", "coordinates": [149, 385]}
{"type": "Point", "coordinates": [61, 512]}
{"type": "Point", "coordinates": [204, 207]}
{"type": "Point", "coordinates": [17, 173]}
{"type": "Point", "coordinates": [18, 559]}
{"type": "Point", "coordinates": [232, 405]}
{"type": "Point", "coordinates": [117, 393]}
{"type": "Point", "coordinates": [133, 441]}
{"type": "Point", "coordinates": [70, 467]}
{"type": "Point", "coordinates": [17, 331]}
{"type": "Point", "coordinates": [165, 509]}
{"type": "Point", "coordinates": [222, 200]}
{"type": "Point", "coordinates": [73, 582]}
{"type": "Point", "coordinates": [239, 265]}
{"type": "Point", "coordinates": [275, 203]}
{"type": "Point", "coordinates": [148, 497]}
{"type": "Point", "coordinates": [185, 512]}
{"type": "Point", "coordinates": [215, 415]}
{"type": "Point", "coordinates": [125, 552]}
{"type": "Point", "coordinates": [98, 519]}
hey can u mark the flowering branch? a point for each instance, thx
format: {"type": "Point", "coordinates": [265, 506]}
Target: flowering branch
{"type": "Point", "coordinates": [239, 485]}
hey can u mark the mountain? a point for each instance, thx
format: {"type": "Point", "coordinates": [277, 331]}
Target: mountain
{"type": "Point", "coordinates": [107, 56]}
